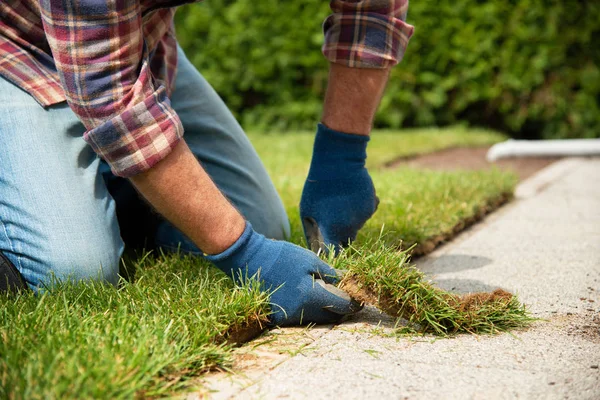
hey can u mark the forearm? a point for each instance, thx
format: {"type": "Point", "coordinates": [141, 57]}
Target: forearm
{"type": "Point", "coordinates": [181, 191]}
{"type": "Point", "coordinates": [363, 40]}
{"type": "Point", "coordinates": [352, 97]}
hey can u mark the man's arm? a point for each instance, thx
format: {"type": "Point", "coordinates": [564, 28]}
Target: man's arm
{"type": "Point", "coordinates": [339, 196]}
{"type": "Point", "coordinates": [180, 190]}
{"type": "Point", "coordinates": [363, 40]}
{"type": "Point", "coordinates": [105, 72]}
{"type": "Point", "coordinates": [103, 63]}
{"type": "Point", "coordinates": [352, 97]}
{"type": "Point", "coordinates": [300, 283]}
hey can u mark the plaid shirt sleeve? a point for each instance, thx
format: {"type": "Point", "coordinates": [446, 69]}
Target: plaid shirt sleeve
{"type": "Point", "coordinates": [104, 67]}
{"type": "Point", "coordinates": [367, 33]}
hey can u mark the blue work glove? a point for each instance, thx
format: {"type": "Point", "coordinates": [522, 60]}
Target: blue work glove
{"type": "Point", "coordinates": [338, 196]}
{"type": "Point", "coordinates": [301, 281]}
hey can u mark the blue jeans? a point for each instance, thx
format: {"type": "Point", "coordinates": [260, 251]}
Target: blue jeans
{"type": "Point", "coordinates": [63, 213]}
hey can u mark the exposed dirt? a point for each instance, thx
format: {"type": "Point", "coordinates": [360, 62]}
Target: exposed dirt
{"type": "Point", "coordinates": [239, 335]}
{"type": "Point", "coordinates": [473, 301]}
{"type": "Point", "coordinates": [586, 326]}
{"type": "Point", "coordinates": [473, 158]}
{"type": "Point", "coordinates": [365, 295]}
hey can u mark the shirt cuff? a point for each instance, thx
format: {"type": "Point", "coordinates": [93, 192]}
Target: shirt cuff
{"type": "Point", "coordinates": [139, 137]}
{"type": "Point", "coordinates": [357, 35]}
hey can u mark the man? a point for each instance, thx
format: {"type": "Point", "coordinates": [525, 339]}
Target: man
{"type": "Point", "coordinates": [95, 97]}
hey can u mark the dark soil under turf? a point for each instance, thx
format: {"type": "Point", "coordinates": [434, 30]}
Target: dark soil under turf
{"type": "Point", "coordinates": [473, 159]}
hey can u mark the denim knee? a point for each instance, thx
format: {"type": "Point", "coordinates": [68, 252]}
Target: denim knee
{"type": "Point", "coordinates": [56, 214]}
{"type": "Point", "coordinates": [97, 261]}
{"type": "Point", "coordinates": [44, 263]}
{"type": "Point", "coordinates": [271, 221]}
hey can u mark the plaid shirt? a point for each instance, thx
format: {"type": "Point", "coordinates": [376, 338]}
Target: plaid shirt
{"type": "Point", "coordinates": [114, 62]}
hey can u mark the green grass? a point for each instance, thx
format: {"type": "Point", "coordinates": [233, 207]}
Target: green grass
{"type": "Point", "coordinates": [292, 151]}
{"type": "Point", "coordinates": [375, 275]}
{"type": "Point", "coordinates": [150, 337]}
{"type": "Point", "coordinates": [419, 205]}
{"type": "Point", "coordinates": [146, 338]}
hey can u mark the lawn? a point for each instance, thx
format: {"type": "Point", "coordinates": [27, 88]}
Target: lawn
{"type": "Point", "coordinates": [148, 337]}
{"type": "Point", "coordinates": [145, 338]}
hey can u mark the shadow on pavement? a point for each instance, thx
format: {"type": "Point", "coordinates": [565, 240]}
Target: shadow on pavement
{"type": "Point", "coordinates": [464, 285]}
{"type": "Point", "coordinates": [452, 263]}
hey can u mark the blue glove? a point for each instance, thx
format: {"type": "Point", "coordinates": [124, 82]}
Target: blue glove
{"type": "Point", "coordinates": [338, 196]}
{"type": "Point", "coordinates": [302, 283]}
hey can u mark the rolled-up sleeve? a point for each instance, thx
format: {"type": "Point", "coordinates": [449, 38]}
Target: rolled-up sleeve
{"type": "Point", "coordinates": [103, 63]}
{"type": "Point", "coordinates": [367, 33]}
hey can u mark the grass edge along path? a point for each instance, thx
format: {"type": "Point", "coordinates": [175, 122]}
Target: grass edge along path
{"type": "Point", "coordinates": [479, 213]}
{"type": "Point", "coordinates": [383, 278]}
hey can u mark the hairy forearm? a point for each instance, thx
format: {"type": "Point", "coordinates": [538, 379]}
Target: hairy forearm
{"type": "Point", "coordinates": [352, 97]}
{"type": "Point", "coordinates": [181, 191]}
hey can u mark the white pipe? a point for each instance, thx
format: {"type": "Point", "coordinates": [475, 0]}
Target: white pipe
{"type": "Point", "coordinates": [544, 148]}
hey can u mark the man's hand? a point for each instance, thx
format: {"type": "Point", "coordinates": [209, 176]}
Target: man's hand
{"type": "Point", "coordinates": [181, 191]}
{"type": "Point", "coordinates": [338, 196]}
{"type": "Point", "coordinates": [302, 283]}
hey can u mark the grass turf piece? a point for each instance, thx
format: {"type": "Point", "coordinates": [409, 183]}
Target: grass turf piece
{"type": "Point", "coordinates": [91, 340]}
{"type": "Point", "coordinates": [425, 208]}
{"type": "Point", "coordinates": [378, 275]}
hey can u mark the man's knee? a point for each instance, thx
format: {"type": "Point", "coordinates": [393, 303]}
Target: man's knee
{"type": "Point", "coordinates": [93, 261]}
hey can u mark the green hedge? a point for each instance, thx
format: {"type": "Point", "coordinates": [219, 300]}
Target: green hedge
{"type": "Point", "coordinates": [529, 67]}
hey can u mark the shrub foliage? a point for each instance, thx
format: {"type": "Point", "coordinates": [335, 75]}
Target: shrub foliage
{"type": "Point", "coordinates": [528, 67]}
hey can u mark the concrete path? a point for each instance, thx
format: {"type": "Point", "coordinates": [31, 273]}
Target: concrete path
{"type": "Point", "coordinates": [545, 246]}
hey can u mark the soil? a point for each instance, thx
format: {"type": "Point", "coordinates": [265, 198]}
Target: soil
{"type": "Point", "coordinates": [364, 295]}
{"type": "Point", "coordinates": [239, 335]}
{"type": "Point", "coordinates": [473, 301]}
{"type": "Point", "coordinates": [473, 158]}
{"type": "Point", "coordinates": [585, 326]}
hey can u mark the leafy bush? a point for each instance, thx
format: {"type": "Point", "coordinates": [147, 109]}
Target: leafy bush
{"type": "Point", "coordinates": [528, 67]}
